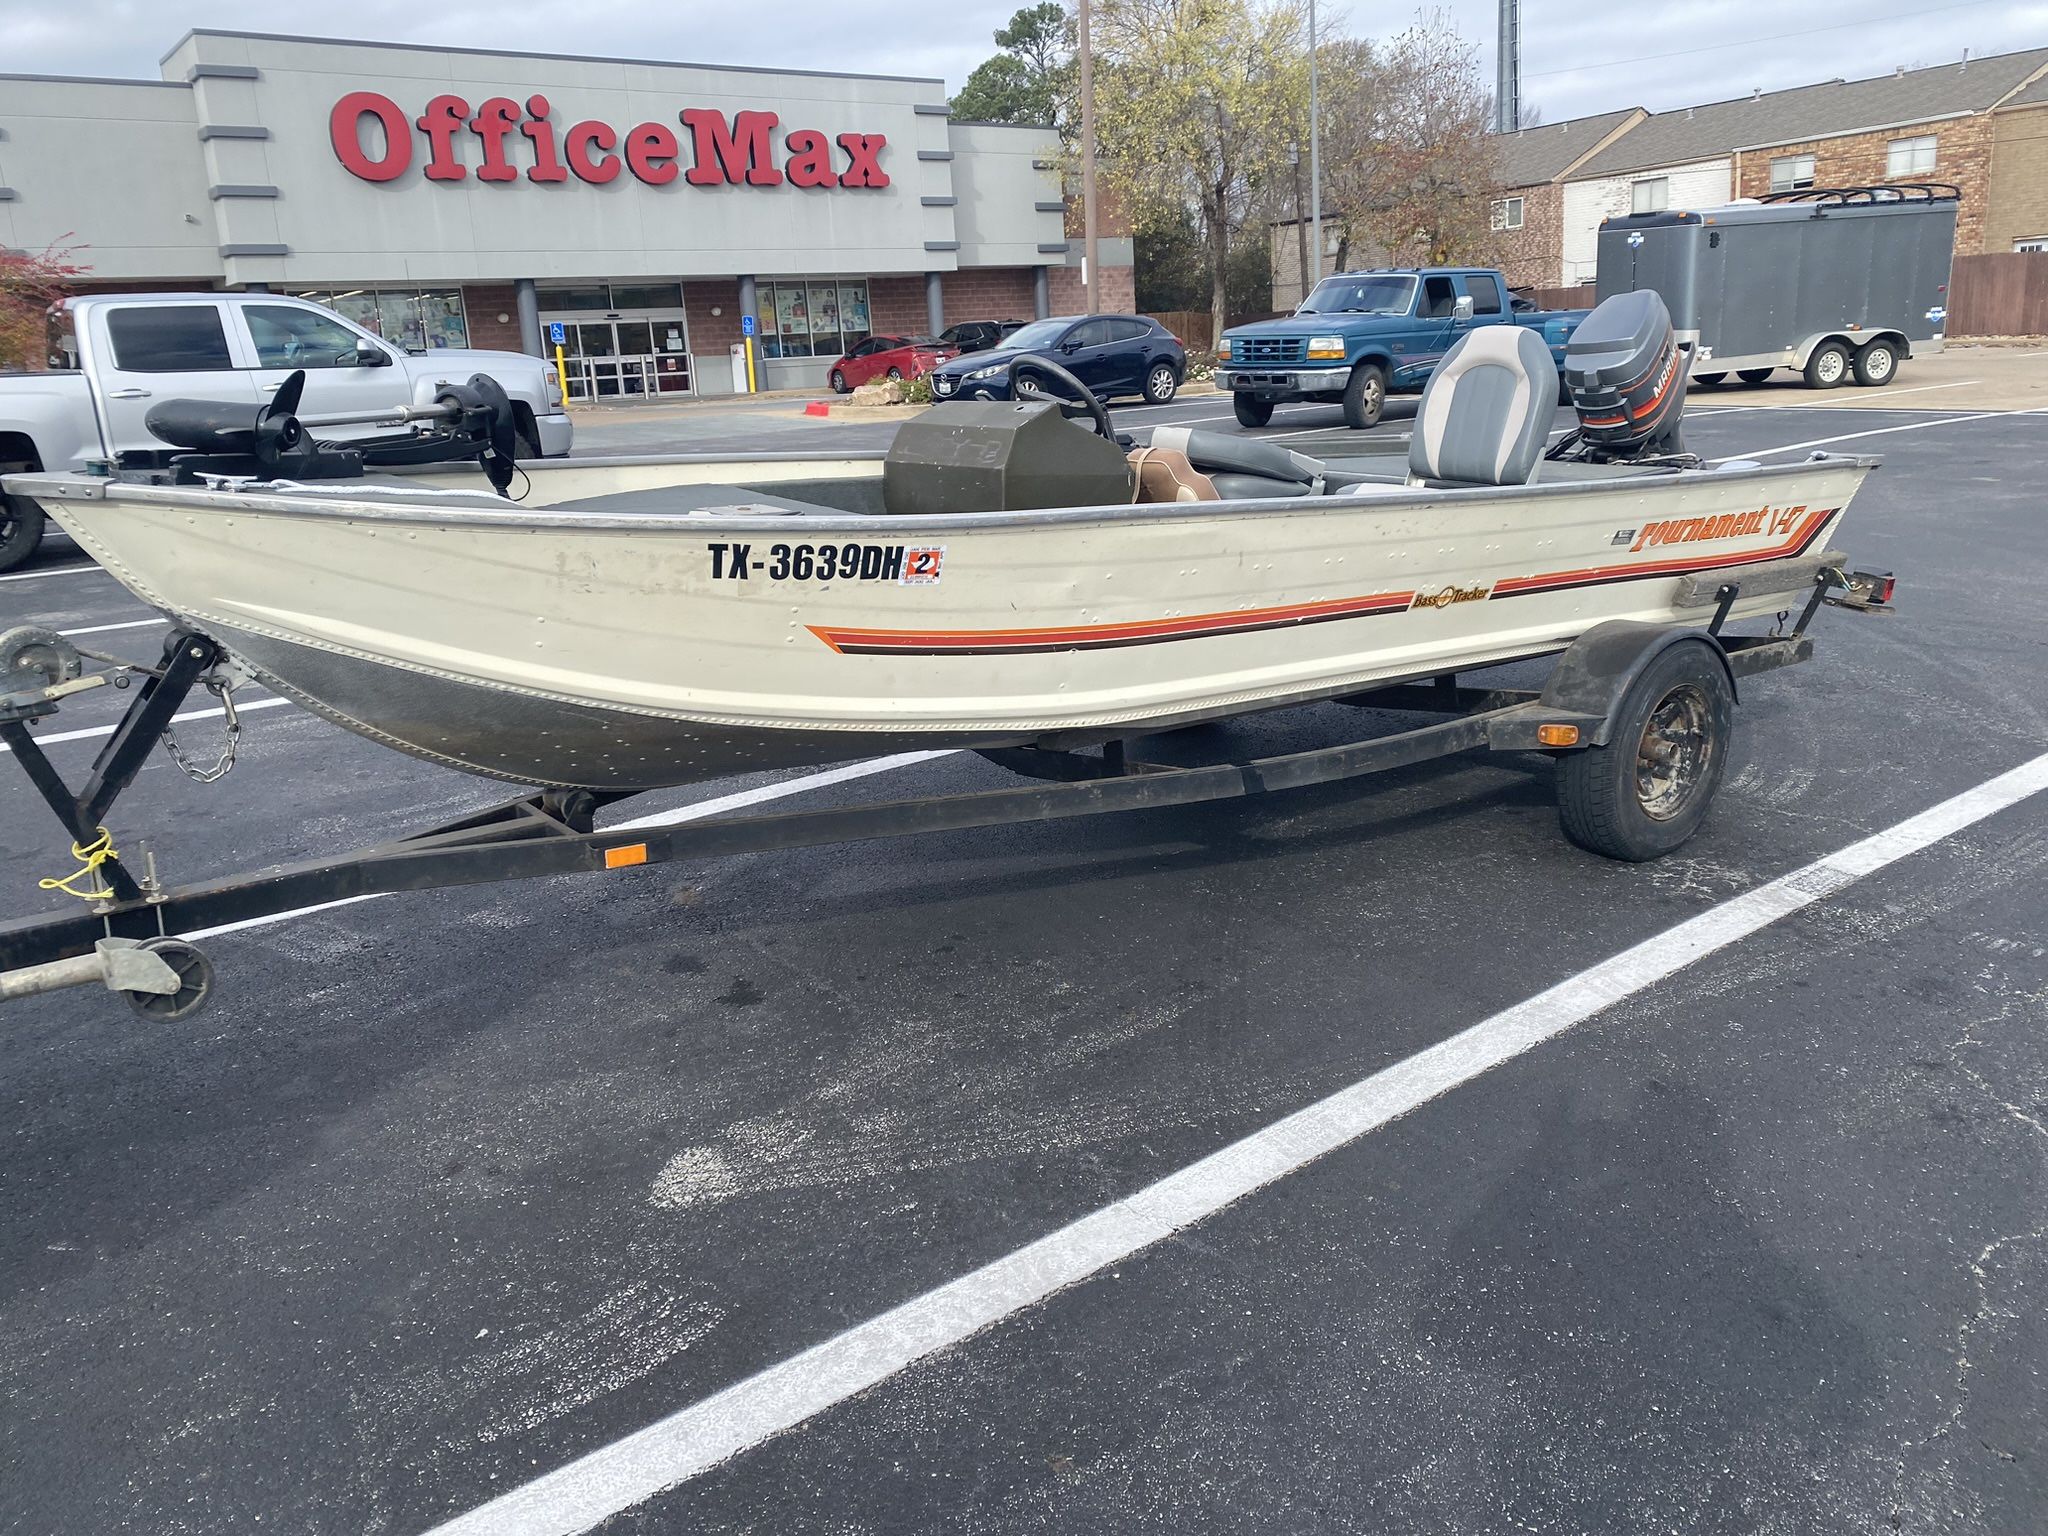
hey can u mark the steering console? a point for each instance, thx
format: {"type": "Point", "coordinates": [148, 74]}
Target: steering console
{"type": "Point", "coordinates": [1028, 363]}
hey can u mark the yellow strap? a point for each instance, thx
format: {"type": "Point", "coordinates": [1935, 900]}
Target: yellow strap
{"type": "Point", "coordinates": [92, 856]}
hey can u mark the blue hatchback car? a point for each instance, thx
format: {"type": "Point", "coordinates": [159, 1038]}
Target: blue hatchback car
{"type": "Point", "coordinates": [1112, 354]}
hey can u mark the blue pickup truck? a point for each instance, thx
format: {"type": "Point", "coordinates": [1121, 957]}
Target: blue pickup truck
{"type": "Point", "coordinates": [1362, 336]}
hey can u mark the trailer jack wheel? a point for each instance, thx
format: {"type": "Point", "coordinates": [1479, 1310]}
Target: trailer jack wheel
{"type": "Point", "coordinates": [195, 983]}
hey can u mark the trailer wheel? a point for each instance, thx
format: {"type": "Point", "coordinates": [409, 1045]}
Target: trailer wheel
{"type": "Point", "coordinates": [195, 983]}
{"type": "Point", "coordinates": [1251, 410]}
{"type": "Point", "coordinates": [1828, 367]}
{"type": "Point", "coordinates": [1876, 363]}
{"type": "Point", "coordinates": [1365, 396]}
{"type": "Point", "coordinates": [1709, 378]}
{"type": "Point", "coordinates": [1755, 375]}
{"type": "Point", "coordinates": [21, 530]}
{"type": "Point", "coordinates": [1647, 791]}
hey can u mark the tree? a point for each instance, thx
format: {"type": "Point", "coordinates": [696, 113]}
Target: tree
{"type": "Point", "coordinates": [30, 282]}
{"type": "Point", "coordinates": [1032, 79]}
{"type": "Point", "coordinates": [1410, 160]}
{"type": "Point", "coordinates": [1195, 103]}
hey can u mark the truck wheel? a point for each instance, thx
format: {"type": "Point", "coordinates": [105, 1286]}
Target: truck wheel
{"type": "Point", "coordinates": [1647, 790]}
{"type": "Point", "coordinates": [1755, 375]}
{"type": "Point", "coordinates": [21, 530]}
{"type": "Point", "coordinates": [1828, 367]}
{"type": "Point", "coordinates": [1365, 396]}
{"type": "Point", "coordinates": [1876, 363]}
{"type": "Point", "coordinates": [1251, 410]}
{"type": "Point", "coordinates": [1709, 378]}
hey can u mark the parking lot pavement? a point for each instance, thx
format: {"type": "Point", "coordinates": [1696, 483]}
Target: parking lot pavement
{"type": "Point", "coordinates": [448, 1191]}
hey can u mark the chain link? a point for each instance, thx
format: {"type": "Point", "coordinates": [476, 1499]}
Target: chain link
{"type": "Point", "coordinates": [225, 692]}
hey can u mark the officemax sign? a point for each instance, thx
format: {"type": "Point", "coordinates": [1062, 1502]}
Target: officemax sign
{"type": "Point", "coordinates": [515, 141]}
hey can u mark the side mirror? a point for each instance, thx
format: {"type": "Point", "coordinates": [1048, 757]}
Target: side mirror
{"type": "Point", "coordinates": [369, 355]}
{"type": "Point", "coordinates": [1462, 309]}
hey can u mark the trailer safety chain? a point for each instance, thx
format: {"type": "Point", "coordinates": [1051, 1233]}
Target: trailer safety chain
{"type": "Point", "coordinates": [225, 692]}
{"type": "Point", "coordinates": [91, 856]}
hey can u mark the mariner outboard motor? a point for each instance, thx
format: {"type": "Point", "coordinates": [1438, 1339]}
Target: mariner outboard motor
{"type": "Point", "coordinates": [1624, 374]}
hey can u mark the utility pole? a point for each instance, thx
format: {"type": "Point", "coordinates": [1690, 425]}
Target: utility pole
{"type": "Point", "coordinates": [1315, 162]}
{"type": "Point", "coordinates": [1507, 69]}
{"type": "Point", "coordinates": [1089, 278]}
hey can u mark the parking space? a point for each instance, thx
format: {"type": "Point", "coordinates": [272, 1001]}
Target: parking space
{"type": "Point", "coordinates": [449, 1191]}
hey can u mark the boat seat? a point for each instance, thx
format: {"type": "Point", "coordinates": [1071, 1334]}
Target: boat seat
{"type": "Point", "coordinates": [1164, 474]}
{"type": "Point", "coordinates": [1244, 468]}
{"type": "Point", "coordinates": [1486, 412]}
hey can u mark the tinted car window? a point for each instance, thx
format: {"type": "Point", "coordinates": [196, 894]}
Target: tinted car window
{"type": "Point", "coordinates": [1092, 333]}
{"type": "Point", "coordinates": [299, 338]}
{"type": "Point", "coordinates": [1485, 293]}
{"type": "Point", "coordinates": [169, 338]}
{"type": "Point", "coordinates": [1129, 330]}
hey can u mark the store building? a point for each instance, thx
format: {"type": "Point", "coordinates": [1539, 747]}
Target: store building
{"type": "Point", "coordinates": [450, 197]}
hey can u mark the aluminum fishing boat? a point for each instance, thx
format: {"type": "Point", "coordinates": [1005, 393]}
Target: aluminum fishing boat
{"type": "Point", "coordinates": [1003, 576]}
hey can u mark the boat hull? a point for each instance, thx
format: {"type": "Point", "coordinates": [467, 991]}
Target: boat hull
{"type": "Point", "coordinates": [630, 652]}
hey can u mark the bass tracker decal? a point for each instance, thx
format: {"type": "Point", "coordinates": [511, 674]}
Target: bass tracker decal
{"type": "Point", "coordinates": [1799, 527]}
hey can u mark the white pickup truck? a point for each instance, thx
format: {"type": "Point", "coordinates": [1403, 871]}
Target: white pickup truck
{"type": "Point", "coordinates": [149, 347]}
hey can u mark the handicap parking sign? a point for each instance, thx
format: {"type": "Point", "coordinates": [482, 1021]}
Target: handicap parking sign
{"type": "Point", "coordinates": [746, 325]}
{"type": "Point", "coordinates": [558, 333]}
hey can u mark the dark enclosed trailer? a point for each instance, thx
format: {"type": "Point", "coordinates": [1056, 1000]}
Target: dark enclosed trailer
{"type": "Point", "coordinates": [1834, 281]}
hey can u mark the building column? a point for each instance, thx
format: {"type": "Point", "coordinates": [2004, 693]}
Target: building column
{"type": "Point", "coordinates": [1041, 293]}
{"type": "Point", "coordinates": [934, 302]}
{"type": "Point", "coordinates": [528, 299]}
{"type": "Point", "coordinates": [749, 298]}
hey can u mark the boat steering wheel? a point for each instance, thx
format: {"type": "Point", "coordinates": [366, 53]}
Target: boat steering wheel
{"type": "Point", "coordinates": [1084, 396]}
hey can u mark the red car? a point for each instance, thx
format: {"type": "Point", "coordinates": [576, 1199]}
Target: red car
{"type": "Point", "coordinates": [888, 357]}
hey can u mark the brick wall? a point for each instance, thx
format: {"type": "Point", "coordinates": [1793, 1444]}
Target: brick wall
{"type": "Point", "coordinates": [1532, 255]}
{"type": "Point", "coordinates": [1118, 291]}
{"type": "Point", "coordinates": [988, 293]}
{"type": "Point", "coordinates": [483, 303]}
{"type": "Point", "coordinates": [1962, 154]}
{"type": "Point", "coordinates": [711, 334]}
{"type": "Point", "coordinates": [2016, 194]}
{"type": "Point", "coordinates": [896, 305]}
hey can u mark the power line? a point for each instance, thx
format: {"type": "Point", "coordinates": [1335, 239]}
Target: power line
{"type": "Point", "coordinates": [1749, 42]}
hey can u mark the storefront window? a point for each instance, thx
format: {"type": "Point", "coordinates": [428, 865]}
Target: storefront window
{"type": "Point", "coordinates": [419, 320]}
{"type": "Point", "coordinates": [596, 297]}
{"type": "Point", "coordinates": [647, 296]}
{"type": "Point", "coordinates": [803, 318]}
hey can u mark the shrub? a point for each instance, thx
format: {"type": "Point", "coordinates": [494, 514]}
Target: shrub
{"type": "Point", "coordinates": [1201, 367]}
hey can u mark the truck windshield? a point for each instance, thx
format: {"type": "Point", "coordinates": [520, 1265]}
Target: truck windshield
{"type": "Point", "coordinates": [1384, 293]}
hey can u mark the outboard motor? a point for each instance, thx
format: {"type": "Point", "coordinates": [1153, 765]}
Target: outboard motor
{"type": "Point", "coordinates": [1625, 376]}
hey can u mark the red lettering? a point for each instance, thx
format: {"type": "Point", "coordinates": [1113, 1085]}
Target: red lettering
{"type": "Point", "coordinates": [731, 155]}
{"type": "Point", "coordinates": [345, 132]}
{"type": "Point", "coordinates": [651, 152]}
{"type": "Point", "coordinates": [576, 150]}
{"type": "Point", "coordinates": [492, 124]}
{"type": "Point", "coordinates": [863, 162]}
{"type": "Point", "coordinates": [444, 115]}
{"type": "Point", "coordinates": [546, 167]}
{"type": "Point", "coordinates": [810, 159]}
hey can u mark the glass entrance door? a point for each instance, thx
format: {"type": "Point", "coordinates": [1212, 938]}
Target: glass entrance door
{"type": "Point", "coordinates": [621, 359]}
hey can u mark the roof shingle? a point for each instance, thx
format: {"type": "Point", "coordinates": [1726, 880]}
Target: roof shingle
{"type": "Point", "coordinates": [1534, 155]}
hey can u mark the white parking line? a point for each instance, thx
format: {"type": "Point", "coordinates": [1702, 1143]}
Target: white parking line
{"type": "Point", "coordinates": [55, 570]}
{"type": "Point", "coordinates": [102, 629]}
{"type": "Point", "coordinates": [630, 1471]}
{"type": "Point", "coordinates": [739, 800]}
{"type": "Point", "coordinates": [90, 731]}
{"type": "Point", "coordinates": [1856, 402]}
{"type": "Point", "coordinates": [1911, 426]}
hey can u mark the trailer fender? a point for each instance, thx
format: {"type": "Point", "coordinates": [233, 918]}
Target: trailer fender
{"type": "Point", "coordinates": [1595, 675]}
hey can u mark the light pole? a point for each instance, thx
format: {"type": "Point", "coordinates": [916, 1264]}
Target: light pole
{"type": "Point", "coordinates": [1088, 275]}
{"type": "Point", "coordinates": [1315, 160]}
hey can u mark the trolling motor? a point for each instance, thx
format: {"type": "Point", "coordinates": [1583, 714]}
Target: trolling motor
{"type": "Point", "coordinates": [218, 437]}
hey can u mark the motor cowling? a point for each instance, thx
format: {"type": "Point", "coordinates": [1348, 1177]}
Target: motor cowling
{"type": "Point", "coordinates": [1624, 374]}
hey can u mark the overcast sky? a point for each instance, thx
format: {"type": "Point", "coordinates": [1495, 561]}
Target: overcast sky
{"type": "Point", "coordinates": [1576, 57]}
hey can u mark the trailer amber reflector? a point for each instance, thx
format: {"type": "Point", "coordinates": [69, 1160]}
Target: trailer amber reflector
{"type": "Point", "coordinates": [1558, 735]}
{"type": "Point", "coordinates": [626, 856]}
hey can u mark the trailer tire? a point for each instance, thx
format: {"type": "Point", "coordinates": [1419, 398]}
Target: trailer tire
{"type": "Point", "coordinates": [21, 531]}
{"type": "Point", "coordinates": [1877, 363]}
{"type": "Point", "coordinates": [1828, 367]}
{"type": "Point", "coordinates": [1710, 378]}
{"type": "Point", "coordinates": [1755, 375]}
{"type": "Point", "coordinates": [1365, 396]}
{"type": "Point", "coordinates": [1647, 791]}
{"type": "Point", "coordinates": [1251, 410]}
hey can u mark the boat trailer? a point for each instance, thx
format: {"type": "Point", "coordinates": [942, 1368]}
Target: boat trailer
{"type": "Point", "coordinates": [133, 934]}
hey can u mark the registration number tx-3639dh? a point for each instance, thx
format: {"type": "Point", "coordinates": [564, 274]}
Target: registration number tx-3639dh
{"type": "Point", "coordinates": [910, 565]}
